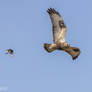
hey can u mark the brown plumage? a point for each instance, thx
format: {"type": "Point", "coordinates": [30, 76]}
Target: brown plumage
{"type": "Point", "coordinates": [59, 35]}
{"type": "Point", "coordinates": [10, 51]}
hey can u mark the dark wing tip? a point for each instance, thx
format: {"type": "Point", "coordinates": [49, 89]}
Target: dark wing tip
{"type": "Point", "coordinates": [75, 57]}
{"type": "Point", "coordinates": [52, 11]}
{"type": "Point", "coordinates": [77, 53]}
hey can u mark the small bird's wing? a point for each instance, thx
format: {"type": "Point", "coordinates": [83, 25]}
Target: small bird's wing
{"type": "Point", "coordinates": [73, 51]}
{"type": "Point", "coordinates": [58, 26]}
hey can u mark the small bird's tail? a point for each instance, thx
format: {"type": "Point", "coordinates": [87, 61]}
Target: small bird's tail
{"type": "Point", "coordinates": [47, 47]}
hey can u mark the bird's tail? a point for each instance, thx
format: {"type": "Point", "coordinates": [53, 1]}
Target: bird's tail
{"type": "Point", "coordinates": [48, 48]}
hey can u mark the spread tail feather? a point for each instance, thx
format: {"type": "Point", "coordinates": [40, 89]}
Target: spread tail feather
{"type": "Point", "coordinates": [47, 47]}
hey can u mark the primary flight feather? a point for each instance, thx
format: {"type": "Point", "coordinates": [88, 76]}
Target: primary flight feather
{"type": "Point", "coordinates": [59, 35]}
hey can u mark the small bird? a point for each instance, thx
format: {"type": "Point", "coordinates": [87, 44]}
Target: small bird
{"type": "Point", "coordinates": [59, 36]}
{"type": "Point", "coordinates": [10, 51]}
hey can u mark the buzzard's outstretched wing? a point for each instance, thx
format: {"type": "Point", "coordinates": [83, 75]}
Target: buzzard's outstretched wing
{"type": "Point", "coordinates": [59, 28]}
{"type": "Point", "coordinates": [73, 51]}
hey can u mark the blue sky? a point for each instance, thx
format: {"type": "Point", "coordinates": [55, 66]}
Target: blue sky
{"type": "Point", "coordinates": [25, 26]}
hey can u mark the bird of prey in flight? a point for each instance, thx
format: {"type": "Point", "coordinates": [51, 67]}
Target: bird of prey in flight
{"type": "Point", "coordinates": [59, 35]}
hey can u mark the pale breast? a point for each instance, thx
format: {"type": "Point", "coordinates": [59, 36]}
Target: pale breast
{"type": "Point", "coordinates": [62, 35]}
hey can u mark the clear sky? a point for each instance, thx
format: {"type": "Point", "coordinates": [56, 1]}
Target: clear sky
{"type": "Point", "coordinates": [25, 26]}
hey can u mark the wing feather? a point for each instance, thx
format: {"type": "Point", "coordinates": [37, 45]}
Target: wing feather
{"type": "Point", "coordinates": [58, 26]}
{"type": "Point", "coordinates": [73, 51]}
